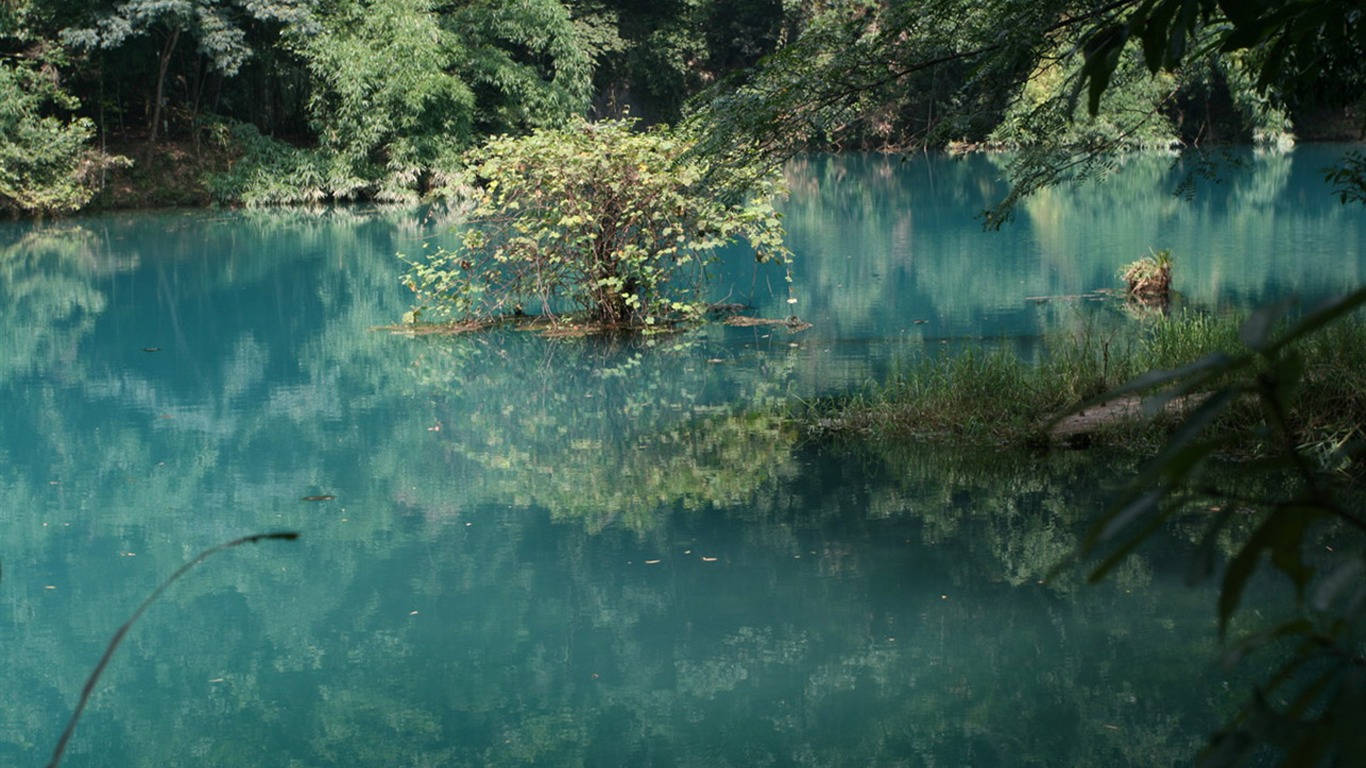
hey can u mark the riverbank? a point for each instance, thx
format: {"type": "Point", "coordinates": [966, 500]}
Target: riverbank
{"type": "Point", "coordinates": [174, 172]}
{"type": "Point", "coordinates": [171, 174]}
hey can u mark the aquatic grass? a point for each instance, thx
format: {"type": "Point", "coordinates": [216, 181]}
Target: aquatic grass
{"type": "Point", "coordinates": [1330, 405]}
{"type": "Point", "coordinates": [1175, 341]}
{"type": "Point", "coordinates": [993, 396]}
{"type": "Point", "coordinates": [985, 394]}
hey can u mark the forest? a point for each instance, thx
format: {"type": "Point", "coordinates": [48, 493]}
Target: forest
{"type": "Point", "coordinates": [118, 103]}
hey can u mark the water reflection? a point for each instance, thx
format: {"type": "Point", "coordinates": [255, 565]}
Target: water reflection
{"type": "Point", "coordinates": [819, 622]}
{"type": "Point", "coordinates": [585, 551]}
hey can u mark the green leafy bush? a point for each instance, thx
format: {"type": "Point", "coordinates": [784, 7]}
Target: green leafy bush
{"type": "Point", "coordinates": [618, 223]}
{"type": "Point", "coordinates": [46, 163]}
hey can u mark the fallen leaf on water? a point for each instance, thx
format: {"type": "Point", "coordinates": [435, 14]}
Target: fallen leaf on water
{"type": "Point", "coordinates": [323, 497]}
{"type": "Point", "coordinates": [151, 349]}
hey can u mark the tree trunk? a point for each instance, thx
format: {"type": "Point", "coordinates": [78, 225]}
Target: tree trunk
{"type": "Point", "coordinates": [164, 64]}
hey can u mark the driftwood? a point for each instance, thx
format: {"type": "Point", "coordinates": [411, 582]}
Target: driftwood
{"type": "Point", "coordinates": [1076, 428]}
{"type": "Point", "coordinates": [792, 323]}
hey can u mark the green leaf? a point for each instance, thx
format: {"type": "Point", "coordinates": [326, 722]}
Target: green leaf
{"type": "Point", "coordinates": [1322, 315]}
{"type": "Point", "coordinates": [1117, 556]}
{"type": "Point", "coordinates": [1195, 423]}
{"type": "Point", "coordinates": [1236, 576]}
{"type": "Point", "coordinates": [1345, 583]}
{"type": "Point", "coordinates": [1145, 504]}
{"type": "Point", "coordinates": [1202, 563]}
{"type": "Point", "coordinates": [1255, 641]}
{"type": "Point", "coordinates": [1256, 330]}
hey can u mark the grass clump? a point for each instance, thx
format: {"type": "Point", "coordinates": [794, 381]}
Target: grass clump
{"type": "Point", "coordinates": [992, 396]}
{"type": "Point", "coordinates": [987, 395]}
{"type": "Point", "coordinates": [1149, 279]}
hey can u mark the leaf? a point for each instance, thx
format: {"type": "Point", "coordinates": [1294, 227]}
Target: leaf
{"type": "Point", "coordinates": [1144, 504]}
{"type": "Point", "coordinates": [1206, 367]}
{"type": "Point", "coordinates": [1202, 560]}
{"type": "Point", "coordinates": [1256, 330]}
{"type": "Point", "coordinates": [1195, 423]}
{"type": "Point", "coordinates": [1230, 747]}
{"type": "Point", "coordinates": [1255, 641]}
{"type": "Point", "coordinates": [1346, 578]}
{"type": "Point", "coordinates": [1103, 50]}
{"type": "Point", "coordinates": [1320, 316]}
{"type": "Point", "coordinates": [1281, 535]}
{"type": "Point", "coordinates": [1124, 550]}
{"type": "Point", "coordinates": [1236, 576]}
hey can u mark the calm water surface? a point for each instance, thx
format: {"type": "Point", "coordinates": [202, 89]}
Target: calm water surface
{"type": "Point", "coordinates": [523, 551]}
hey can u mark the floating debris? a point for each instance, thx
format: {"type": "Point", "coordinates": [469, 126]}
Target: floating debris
{"type": "Point", "coordinates": [792, 323]}
{"type": "Point", "coordinates": [321, 497]}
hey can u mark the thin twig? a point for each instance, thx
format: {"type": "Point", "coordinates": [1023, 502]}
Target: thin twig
{"type": "Point", "coordinates": [137, 614]}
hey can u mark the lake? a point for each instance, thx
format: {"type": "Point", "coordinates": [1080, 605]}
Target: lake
{"type": "Point", "coordinates": [518, 550]}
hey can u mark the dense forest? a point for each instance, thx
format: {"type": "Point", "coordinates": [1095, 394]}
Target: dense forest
{"type": "Point", "coordinates": [125, 102]}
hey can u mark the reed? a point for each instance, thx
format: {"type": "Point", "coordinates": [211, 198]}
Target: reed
{"type": "Point", "coordinates": [991, 396]}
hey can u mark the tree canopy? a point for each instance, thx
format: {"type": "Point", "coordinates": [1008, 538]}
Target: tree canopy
{"type": "Point", "coordinates": [1065, 83]}
{"type": "Point", "coordinates": [298, 100]}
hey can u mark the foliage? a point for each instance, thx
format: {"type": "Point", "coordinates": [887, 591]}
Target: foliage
{"type": "Point", "coordinates": [935, 72]}
{"type": "Point", "coordinates": [219, 30]}
{"type": "Point", "coordinates": [215, 26]}
{"type": "Point", "coordinates": [618, 222]}
{"type": "Point", "coordinates": [386, 107]}
{"type": "Point", "coordinates": [907, 74]}
{"type": "Point", "coordinates": [1300, 47]}
{"type": "Point", "coordinates": [1149, 278]}
{"type": "Point", "coordinates": [271, 172]}
{"type": "Point", "coordinates": [1310, 709]}
{"type": "Point", "coordinates": [664, 53]}
{"type": "Point", "coordinates": [1349, 178]}
{"type": "Point", "coordinates": [526, 61]}
{"type": "Point", "coordinates": [46, 164]}
{"type": "Point", "coordinates": [399, 88]}
{"type": "Point", "coordinates": [387, 93]}
{"type": "Point", "coordinates": [1136, 113]}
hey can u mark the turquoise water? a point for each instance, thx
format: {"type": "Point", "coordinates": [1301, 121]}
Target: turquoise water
{"type": "Point", "coordinates": [519, 551]}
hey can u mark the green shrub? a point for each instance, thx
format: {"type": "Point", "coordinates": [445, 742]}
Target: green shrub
{"type": "Point", "coordinates": [46, 164]}
{"type": "Point", "coordinates": [618, 223]}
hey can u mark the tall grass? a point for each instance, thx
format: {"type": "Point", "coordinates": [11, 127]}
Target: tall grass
{"type": "Point", "coordinates": [989, 396]}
